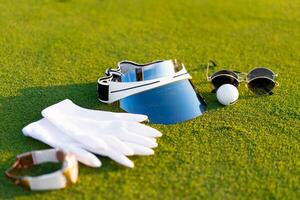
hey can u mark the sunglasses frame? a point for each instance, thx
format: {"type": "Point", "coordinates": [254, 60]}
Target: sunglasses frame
{"type": "Point", "coordinates": [240, 76]}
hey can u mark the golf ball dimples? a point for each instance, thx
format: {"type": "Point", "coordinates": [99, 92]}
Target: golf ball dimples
{"type": "Point", "coordinates": [227, 94]}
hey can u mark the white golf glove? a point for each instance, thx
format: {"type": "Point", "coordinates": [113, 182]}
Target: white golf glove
{"type": "Point", "coordinates": [45, 132]}
{"type": "Point", "coordinates": [103, 133]}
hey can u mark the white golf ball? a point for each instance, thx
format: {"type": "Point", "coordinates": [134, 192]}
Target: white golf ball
{"type": "Point", "coordinates": [227, 94]}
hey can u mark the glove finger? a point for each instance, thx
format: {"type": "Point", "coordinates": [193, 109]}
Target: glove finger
{"type": "Point", "coordinates": [93, 142]}
{"type": "Point", "coordinates": [137, 139]}
{"type": "Point", "coordinates": [119, 158]}
{"type": "Point", "coordinates": [138, 128]}
{"type": "Point", "coordinates": [153, 139]}
{"type": "Point", "coordinates": [130, 117]}
{"type": "Point", "coordinates": [83, 156]}
{"type": "Point", "coordinates": [139, 149]}
{"type": "Point", "coordinates": [141, 129]}
{"type": "Point", "coordinates": [116, 144]}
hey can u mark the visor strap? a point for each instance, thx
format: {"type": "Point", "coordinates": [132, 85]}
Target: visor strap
{"type": "Point", "coordinates": [103, 91]}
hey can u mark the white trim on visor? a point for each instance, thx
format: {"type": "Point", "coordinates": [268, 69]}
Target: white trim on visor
{"type": "Point", "coordinates": [111, 90]}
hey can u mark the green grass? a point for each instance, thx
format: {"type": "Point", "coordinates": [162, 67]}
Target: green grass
{"type": "Point", "coordinates": [52, 50]}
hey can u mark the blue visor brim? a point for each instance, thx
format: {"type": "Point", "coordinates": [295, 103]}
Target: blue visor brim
{"type": "Point", "coordinates": [169, 104]}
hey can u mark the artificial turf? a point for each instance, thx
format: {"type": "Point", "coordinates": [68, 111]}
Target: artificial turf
{"type": "Point", "coordinates": [52, 50]}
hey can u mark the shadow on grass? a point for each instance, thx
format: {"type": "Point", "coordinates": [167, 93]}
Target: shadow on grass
{"type": "Point", "coordinates": [24, 108]}
{"type": "Point", "coordinates": [211, 100]}
{"type": "Point", "coordinates": [18, 111]}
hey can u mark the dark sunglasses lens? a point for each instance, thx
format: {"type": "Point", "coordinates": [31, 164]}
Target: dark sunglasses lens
{"type": "Point", "coordinates": [261, 86]}
{"type": "Point", "coordinates": [259, 72]}
{"type": "Point", "coordinates": [224, 79]}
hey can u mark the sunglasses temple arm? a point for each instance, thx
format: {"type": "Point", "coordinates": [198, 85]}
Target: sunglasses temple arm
{"type": "Point", "coordinates": [207, 69]}
{"type": "Point", "coordinates": [210, 62]}
{"type": "Point", "coordinates": [207, 75]}
{"type": "Point", "coordinates": [277, 84]}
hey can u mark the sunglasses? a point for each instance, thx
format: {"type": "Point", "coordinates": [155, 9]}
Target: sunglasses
{"type": "Point", "coordinates": [260, 80]}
